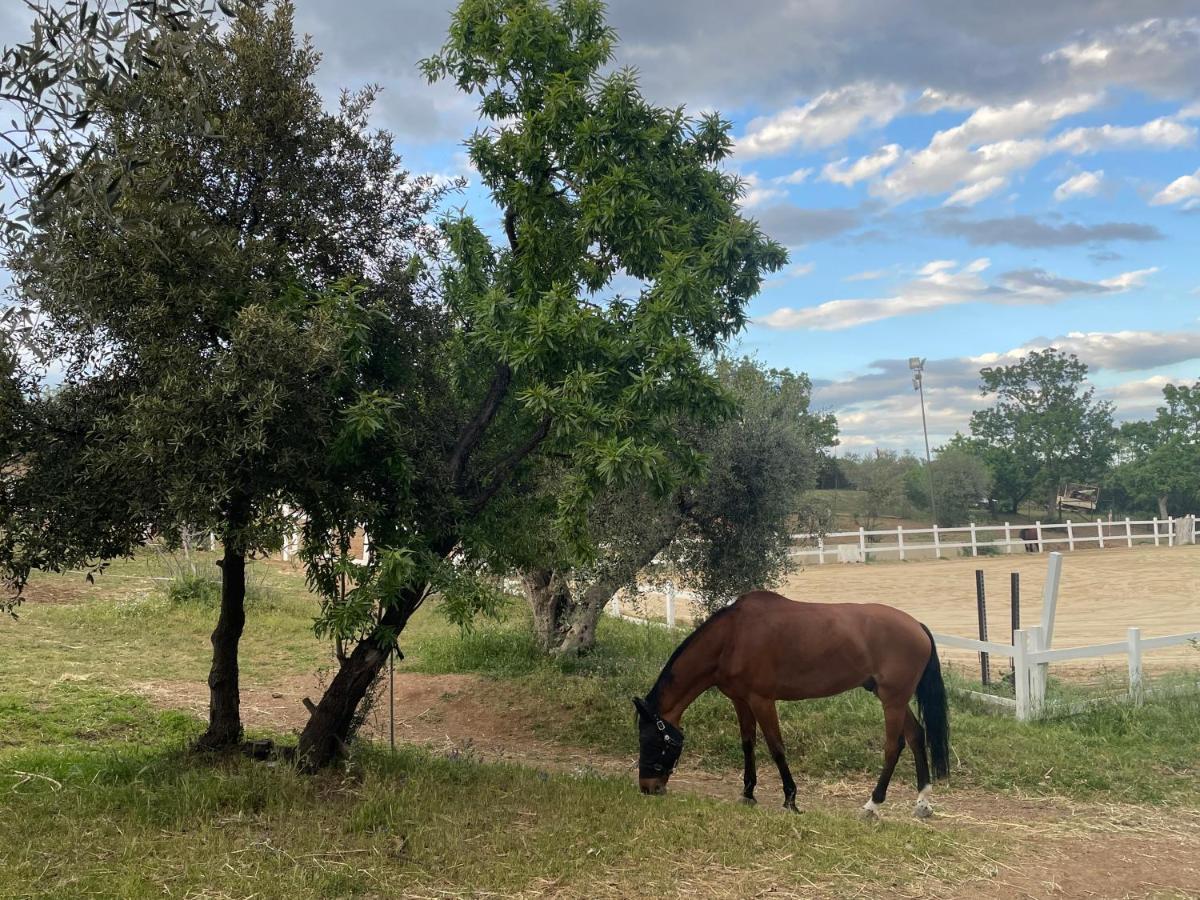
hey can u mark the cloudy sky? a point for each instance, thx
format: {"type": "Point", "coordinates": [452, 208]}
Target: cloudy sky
{"type": "Point", "coordinates": [956, 181]}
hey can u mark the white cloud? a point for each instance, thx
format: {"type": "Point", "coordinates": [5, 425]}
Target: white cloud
{"type": "Point", "coordinates": [1183, 188]}
{"type": "Point", "coordinates": [828, 119]}
{"type": "Point", "coordinates": [973, 193]}
{"type": "Point", "coordinates": [869, 275]}
{"type": "Point", "coordinates": [941, 283]}
{"type": "Point", "coordinates": [848, 174]}
{"type": "Point", "coordinates": [797, 177]}
{"type": "Point", "coordinates": [1163, 133]}
{"type": "Point", "coordinates": [1082, 184]}
{"type": "Point", "coordinates": [757, 191]}
{"type": "Point", "coordinates": [799, 270]}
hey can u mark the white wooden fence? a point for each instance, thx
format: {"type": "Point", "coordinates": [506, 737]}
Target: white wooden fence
{"type": "Point", "coordinates": [1031, 653]}
{"type": "Point", "coordinates": [912, 543]}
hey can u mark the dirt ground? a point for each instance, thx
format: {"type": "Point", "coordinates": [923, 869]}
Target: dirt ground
{"type": "Point", "coordinates": [1064, 848]}
{"type": "Point", "coordinates": [1102, 593]}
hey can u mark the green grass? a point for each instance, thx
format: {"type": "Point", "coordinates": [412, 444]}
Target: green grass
{"type": "Point", "coordinates": [99, 799]}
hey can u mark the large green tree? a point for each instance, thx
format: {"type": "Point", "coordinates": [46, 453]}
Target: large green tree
{"type": "Point", "coordinates": [722, 534]}
{"type": "Point", "coordinates": [1160, 458]}
{"type": "Point", "coordinates": [548, 358]}
{"type": "Point", "coordinates": [202, 308]}
{"type": "Point", "coordinates": [960, 482]}
{"type": "Point", "coordinates": [1045, 427]}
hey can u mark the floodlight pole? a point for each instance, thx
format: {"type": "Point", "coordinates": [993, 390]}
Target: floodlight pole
{"type": "Point", "coordinates": [917, 365]}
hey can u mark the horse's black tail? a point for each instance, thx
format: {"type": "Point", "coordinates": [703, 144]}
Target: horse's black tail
{"type": "Point", "coordinates": [935, 714]}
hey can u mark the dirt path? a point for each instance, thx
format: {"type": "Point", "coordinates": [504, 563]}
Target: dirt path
{"type": "Point", "coordinates": [1063, 848]}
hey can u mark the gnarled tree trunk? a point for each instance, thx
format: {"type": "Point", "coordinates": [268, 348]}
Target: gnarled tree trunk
{"type": "Point", "coordinates": [549, 598]}
{"type": "Point", "coordinates": [1162, 507]}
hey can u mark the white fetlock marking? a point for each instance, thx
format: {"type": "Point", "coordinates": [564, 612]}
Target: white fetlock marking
{"type": "Point", "coordinates": [924, 806]}
{"type": "Point", "coordinates": [871, 807]}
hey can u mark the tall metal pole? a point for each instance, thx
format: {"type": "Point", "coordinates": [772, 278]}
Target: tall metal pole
{"type": "Point", "coordinates": [924, 428]}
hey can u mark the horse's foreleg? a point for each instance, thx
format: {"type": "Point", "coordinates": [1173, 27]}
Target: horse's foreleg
{"type": "Point", "coordinates": [914, 734]}
{"type": "Point", "coordinates": [893, 742]}
{"type": "Point", "coordinates": [747, 725]}
{"type": "Point", "coordinates": [768, 721]}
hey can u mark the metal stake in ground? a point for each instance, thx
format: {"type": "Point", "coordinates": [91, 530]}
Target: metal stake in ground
{"type": "Point", "coordinates": [1015, 594]}
{"type": "Point", "coordinates": [985, 669]}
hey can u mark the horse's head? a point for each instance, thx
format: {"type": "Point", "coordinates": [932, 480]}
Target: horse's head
{"type": "Point", "coordinates": [659, 746]}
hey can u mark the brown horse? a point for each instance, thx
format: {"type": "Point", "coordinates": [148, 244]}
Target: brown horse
{"type": "Point", "coordinates": [1030, 537]}
{"type": "Point", "coordinates": [766, 647]}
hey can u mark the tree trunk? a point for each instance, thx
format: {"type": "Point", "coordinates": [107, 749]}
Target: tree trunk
{"type": "Point", "coordinates": [580, 634]}
{"type": "Point", "coordinates": [224, 715]}
{"type": "Point", "coordinates": [550, 599]}
{"type": "Point", "coordinates": [1162, 506]}
{"type": "Point", "coordinates": [328, 730]}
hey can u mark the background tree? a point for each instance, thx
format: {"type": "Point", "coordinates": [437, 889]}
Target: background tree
{"type": "Point", "coordinates": [202, 312]}
{"type": "Point", "coordinates": [961, 481]}
{"type": "Point", "coordinates": [1045, 428]}
{"type": "Point", "coordinates": [546, 360]}
{"type": "Point", "coordinates": [723, 534]}
{"type": "Point", "coordinates": [881, 476]}
{"type": "Point", "coordinates": [1160, 458]}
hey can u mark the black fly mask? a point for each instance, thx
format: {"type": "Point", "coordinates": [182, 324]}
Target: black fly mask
{"type": "Point", "coordinates": [660, 743]}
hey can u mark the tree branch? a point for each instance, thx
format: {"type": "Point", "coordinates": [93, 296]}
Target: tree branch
{"type": "Point", "coordinates": [471, 435]}
{"type": "Point", "coordinates": [504, 469]}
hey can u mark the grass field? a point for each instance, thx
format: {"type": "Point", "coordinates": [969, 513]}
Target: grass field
{"type": "Point", "coordinates": [513, 774]}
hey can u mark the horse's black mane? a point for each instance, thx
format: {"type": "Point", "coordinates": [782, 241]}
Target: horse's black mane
{"type": "Point", "coordinates": [665, 676]}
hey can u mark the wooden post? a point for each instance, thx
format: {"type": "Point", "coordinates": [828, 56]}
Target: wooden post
{"type": "Point", "coordinates": [1070, 536]}
{"type": "Point", "coordinates": [670, 604]}
{"type": "Point", "coordinates": [614, 607]}
{"type": "Point", "coordinates": [937, 544]}
{"type": "Point", "coordinates": [1038, 526]}
{"type": "Point", "coordinates": [366, 557]}
{"type": "Point", "coordinates": [1037, 672]}
{"type": "Point", "coordinates": [821, 551]}
{"type": "Point", "coordinates": [212, 541]}
{"type": "Point", "coordinates": [974, 546]}
{"type": "Point", "coordinates": [862, 544]}
{"type": "Point", "coordinates": [985, 668]}
{"type": "Point", "coordinates": [1128, 533]}
{"type": "Point", "coordinates": [900, 540]}
{"type": "Point", "coordinates": [1100, 532]}
{"type": "Point", "coordinates": [1156, 531]}
{"type": "Point", "coordinates": [1007, 538]}
{"type": "Point", "coordinates": [1137, 688]}
{"type": "Point", "coordinates": [1021, 674]}
{"type": "Point", "coordinates": [1170, 531]}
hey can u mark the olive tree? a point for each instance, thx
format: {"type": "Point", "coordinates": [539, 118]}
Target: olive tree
{"type": "Point", "coordinates": [207, 307]}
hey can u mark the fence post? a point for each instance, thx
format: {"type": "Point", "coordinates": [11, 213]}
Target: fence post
{"type": "Point", "coordinates": [900, 540]}
{"type": "Point", "coordinates": [1128, 533]}
{"type": "Point", "coordinates": [974, 546]}
{"type": "Point", "coordinates": [670, 604]}
{"type": "Point", "coordinates": [366, 557]}
{"type": "Point", "coordinates": [821, 551]}
{"type": "Point", "coordinates": [1100, 532]}
{"type": "Point", "coordinates": [985, 667]}
{"type": "Point", "coordinates": [1021, 673]}
{"type": "Point", "coordinates": [1007, 538]}
{"type": "Point", "coordinates": [1050, 597]}
{"type": "Point", "coordinates": [212, 541]}
{"type": "Point", "coordinates": [1137, 689]}
{"type": "Point", "coordinates": [1037, 672]}
{"type": "Point", "coordinates": [937, 544]}
{"type": "Point", "coordinates": [1156, 531]}
{"type": "Point", "coordinates": [614, 607]}
{"type": "Point", "coordinates": [862, 543]}
{"type": "Point", "coordinates": [1038, 526]}
{"type": "Point", "coordinates": [1070, 536]}
{"type": "Point", "coordinates": [1170, 531]}
{"type": "Point", "coordinates": [1015, 606]}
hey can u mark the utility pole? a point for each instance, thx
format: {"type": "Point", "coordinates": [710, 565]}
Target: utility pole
{"type": "Point", "coordinates": [917, 365]}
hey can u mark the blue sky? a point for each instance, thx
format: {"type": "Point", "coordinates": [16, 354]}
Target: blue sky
{"type": "Point", "coordinates": [960, 182]}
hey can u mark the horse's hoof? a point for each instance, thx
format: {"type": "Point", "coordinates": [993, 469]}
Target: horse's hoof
{"type": "Point", "coordinates": [792, 807]}
{"type": "Point", "coordinates": [868, 815]}
{"type": "Point", "coordinates": [922, 810]}
{"type": "Point", "coordinates": [749, 801]}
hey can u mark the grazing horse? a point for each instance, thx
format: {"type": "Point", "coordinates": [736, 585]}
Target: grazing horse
{"type": "Point", "coordinates": [1030, 536]}
{"type": "Point", "coordinates": [766, 647]}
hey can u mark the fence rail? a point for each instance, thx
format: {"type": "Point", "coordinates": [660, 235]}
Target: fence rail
{"type": "Point", "coordinates": [914, 542]}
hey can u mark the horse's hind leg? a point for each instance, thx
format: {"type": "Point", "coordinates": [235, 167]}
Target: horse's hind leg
{"type": "Point", "coordinates": [914, 734]}
{"type": "Point", "coordinates": [768, 721]}
{"type": "Point", "coordinates": [747, 726]}
{"type": "Point", "coordinates": [893, 742]}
